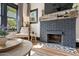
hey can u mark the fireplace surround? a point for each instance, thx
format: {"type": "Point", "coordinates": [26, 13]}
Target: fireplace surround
{"type": "Point", "coordinates": [66, 27]}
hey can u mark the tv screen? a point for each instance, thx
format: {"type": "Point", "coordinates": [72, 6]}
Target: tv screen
{"type": "Point", "coordinates": [55, 7]}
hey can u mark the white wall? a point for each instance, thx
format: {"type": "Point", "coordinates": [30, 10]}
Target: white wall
{"type": "Point", "coordinates": [77, 23]}
{"type": "Point", "coordinates": [36, 27]}
{"type": "Point", "coordinates": [25, 17]}
{"type": "Point", "coordinates": [77, 29]}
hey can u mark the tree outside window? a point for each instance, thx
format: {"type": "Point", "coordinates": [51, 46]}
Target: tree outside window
{"type": "Point", "coordinates": [11, 18]}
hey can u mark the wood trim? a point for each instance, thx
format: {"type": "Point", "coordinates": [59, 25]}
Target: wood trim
{"type": "Point", "coordinates": [13, 5]}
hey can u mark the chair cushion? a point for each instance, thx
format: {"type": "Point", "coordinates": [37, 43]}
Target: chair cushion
{"type": "Point", "coordinates": [24, 30]}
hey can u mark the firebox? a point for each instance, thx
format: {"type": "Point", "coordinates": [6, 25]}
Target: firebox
{"type": "Point", "coordinates": [54, 38]}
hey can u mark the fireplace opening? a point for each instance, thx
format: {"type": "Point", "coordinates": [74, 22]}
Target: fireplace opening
{"type": "Point", "coordinates": [54, 38]}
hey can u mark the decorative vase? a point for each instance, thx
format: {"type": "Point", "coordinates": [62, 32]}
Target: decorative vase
{"type": "Point", "coordinates": [2, 41]}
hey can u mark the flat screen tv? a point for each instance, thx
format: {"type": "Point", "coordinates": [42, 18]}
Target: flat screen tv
{"type": "Point", "coordinates": [55, 7]}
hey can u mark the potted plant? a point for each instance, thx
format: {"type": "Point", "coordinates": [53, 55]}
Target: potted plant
{"type": "Point", "coordinates": [3, 33]}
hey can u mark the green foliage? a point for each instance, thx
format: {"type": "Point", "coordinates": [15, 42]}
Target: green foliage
{"type": "Point", "coordinates": [76, 6]}
{"type": "Point", "coordinates": [12, 23]}
{"type": "Point", "coordinates": [2, 32]}
{"type": "Point", "coordinates": [11, 9]}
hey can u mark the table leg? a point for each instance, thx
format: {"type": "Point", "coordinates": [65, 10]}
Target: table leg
{"type": "Point", "coordinates": [29, 53]}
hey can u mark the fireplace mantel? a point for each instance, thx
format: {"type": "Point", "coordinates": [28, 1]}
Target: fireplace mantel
{"type": "Point", "coordinates": [53, 16]}
{"type": "Point", "coordinates": [49, 19]}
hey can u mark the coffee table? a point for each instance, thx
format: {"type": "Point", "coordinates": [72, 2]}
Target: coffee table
{"type": "Point", "coordinates": [21, 50]}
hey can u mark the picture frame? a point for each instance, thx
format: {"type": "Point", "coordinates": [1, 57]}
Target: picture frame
{"type": "Point", "coordinates": [34, 16]}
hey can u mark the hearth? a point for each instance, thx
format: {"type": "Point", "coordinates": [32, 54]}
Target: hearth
{"type": "Point", "coordinates": [54, 38]}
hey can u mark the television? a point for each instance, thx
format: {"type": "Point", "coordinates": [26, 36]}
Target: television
{"type": "Point", "coordinates": [55, 7]}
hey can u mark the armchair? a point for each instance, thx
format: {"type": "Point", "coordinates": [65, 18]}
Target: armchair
{"type": "Point", "coordinates": [24, 33]}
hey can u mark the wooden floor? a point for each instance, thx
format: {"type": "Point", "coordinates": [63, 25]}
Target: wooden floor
{"type": "Point", "coordinates": [52, 52]}
{"type": "Point", "coordinates": [78, 50]}
{"type": "Point", "coordinates": [45, 51]}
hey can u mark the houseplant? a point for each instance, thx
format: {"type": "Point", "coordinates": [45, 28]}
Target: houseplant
{"type": "Point", "coordinates": [3, 33]}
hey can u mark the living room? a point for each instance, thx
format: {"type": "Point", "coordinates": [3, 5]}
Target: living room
{"type": "Point", "coordinates": [50, 29]}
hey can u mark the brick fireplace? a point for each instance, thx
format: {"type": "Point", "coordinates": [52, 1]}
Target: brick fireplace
{"type": "Point", "coordinates": [61, 31]}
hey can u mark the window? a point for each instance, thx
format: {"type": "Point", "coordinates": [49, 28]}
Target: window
{"type": "Point", "coordinates": [11, 18]}
{"type": "Point", "coordinates": [0, 14]}
{"type": "Point", "coordinates": [0, 20]}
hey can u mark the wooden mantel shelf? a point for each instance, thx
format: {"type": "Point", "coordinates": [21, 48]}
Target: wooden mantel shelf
{"type": "Point", "coordinates": [53, 16]}
{"type": "Point", "coordinates": [49, 19]}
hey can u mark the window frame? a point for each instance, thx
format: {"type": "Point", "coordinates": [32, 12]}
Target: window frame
{"type": "Point", "coordinates": [4, 13]}
{"type": "Point", "coordinates": [0, 15]}
{"type": "Point", "coordinates": [12, 17]}
{"type": "Point", "coordinates": [15, 7]}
